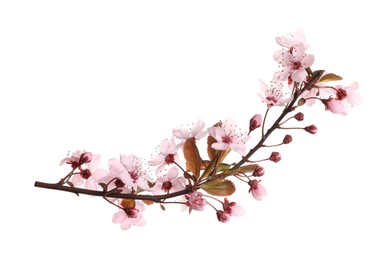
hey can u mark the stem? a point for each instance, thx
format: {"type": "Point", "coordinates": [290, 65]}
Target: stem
{"type": "Point", "coordinates": [315, 76]}
{"type": "Point", "coordinates": [77, 191]}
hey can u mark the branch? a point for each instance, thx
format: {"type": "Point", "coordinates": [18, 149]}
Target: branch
{"type": "Point", "coordinates": [314, 78]}
{"type": "Point", "coordinates": [77, 191]}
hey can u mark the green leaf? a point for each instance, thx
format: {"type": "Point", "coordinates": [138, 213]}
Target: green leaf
{"type": "Point", "coordinates": [192, 156]}
{"type": "Point", "coordinates": [219, 187]}
{"type": "Point", "coordinates": [330, 77]}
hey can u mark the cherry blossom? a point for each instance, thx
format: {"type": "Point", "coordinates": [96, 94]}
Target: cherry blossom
{"type": "Point", "coordinates": [130, 216]}
{"type": "Point", "coordinates": [168, 154]}
{"type": "Point", "coordinates": [256, 189]}
{"type": "Point", "coordinates": [196, 131]}
{"type": "Point", "coordinates": [294, 62]}
{"type": "Point", "coordinates": [195, 201]}
{"type": "Point", "coordinates": [291, 40]}
{"type": "Point", "coordinates": [227, 136]}
{"type": "Point", "coordinates": [90, 174]}
{"type": "Point", "coordinates": [170, 182]}
{"type": "Point", "coordinates": [345, 97]}
{"type": "Point", "coordinates": [273, 95]}
{"type": "Point", "coordinates": [132, 174]}
{"type": "Point", "coordinates": [77, 158]}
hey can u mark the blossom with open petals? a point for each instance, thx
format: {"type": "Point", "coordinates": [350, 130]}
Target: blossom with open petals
{"type": "Point", "coordinates": [294, 63]}
{"type": "Point", "coordinates": [227, 136]}
{"type": "Point", "coordinates": [168, 154]}
{"type": "Point", "coordinates": [130, 216]}
{"type": "Point", "coordinates": [273, 95]}
{"type": "Point", "coordinates": [195, 201]}
{"type": "Point", "coordinates": [169, 183]}
{"type": "Point", "coordinates": [196, 131]}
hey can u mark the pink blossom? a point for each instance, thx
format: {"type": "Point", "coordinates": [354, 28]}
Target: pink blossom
{"type": "Point", "coordinates": [169, 183]}
{"type": "Point", "coordinates": [77, 158]}
{"type": "Point", "coordinates": [289, 40]}
{"type": "Point", "coordinates": [133, 175]}
{"type": "Point", "coordinates": [232, 208]}
{"type": "Point", "coordinates": [90, 174]}
{"type": "Point", "coordinates": [196, 131]}
{"type": "Point", "coordinates": [168, 154]}
{"type": "Point", "coordinates": [257, 190]}
{"type": "Point", "coordinates": [227, 136]}
{"type": "Point", "coordinates": [294, 62]}
{"type": "Point", "coordinates": [345, 97]}
{"type": "Point", "coordinates": [195, 201]}
{"type": "Point", "coordinates": [273, 95]}
{"type": "Point", "coordinates": [130, 216]}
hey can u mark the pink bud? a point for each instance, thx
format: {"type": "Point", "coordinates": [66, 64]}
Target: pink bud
{"type": "Point", "coordinates": [85, 174]}
{"type": "Point", "coordinates": [85, 157]}
{"type": "Point", "coordinates": [259, 171]}
{"type": "Point", "coordinates": [287, 139]}
{"type": "Point", "coordinates": [311, 129]}
{"type": "Point", "coordinates": [222, 216]}
{"type": "Point", "coordinates": [299, 116]}
{"type": "Point", "coordinates": [255, 122]}
{"type": "Point", "coordinates": [275, 157]}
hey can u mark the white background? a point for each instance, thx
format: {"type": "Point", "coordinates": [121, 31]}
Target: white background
{"type": "Point", "coordinates": [115, 76]}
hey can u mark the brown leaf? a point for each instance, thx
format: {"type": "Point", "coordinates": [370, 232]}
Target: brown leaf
{"type": "Point", "coordinates": [330, 77]}
{"type": "Point", "coordinates": [192, 156]}
{"type": "Point", "coordinates": [219, 187]}
{"type": "Point", "coordinates": [148, 202]}
{"type": "Point", "coordinates": [211, 151]}
{"type": "Point", "coordinates": [243, 169]}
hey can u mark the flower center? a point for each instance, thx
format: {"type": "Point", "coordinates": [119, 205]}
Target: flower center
{"type": "Point", "coordinates": [296, 65]}
{"type": "Point", "coordinates": [227, 139]}
{"type": "Point", "coordinates": [134, 175]}
{"type": "Point", "coordinates": [170, 158]}
{"type": "Point", "coordinates": [167, 185]}
{"type": "Point", "coordinates": [85, 174]}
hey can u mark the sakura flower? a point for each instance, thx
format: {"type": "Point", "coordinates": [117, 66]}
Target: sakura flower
{"type": "Point", "coordinates": [232, 208]}
{"type": "Point", "coordinates": [168, 154]}
{"type": "Point", "coordinates": [290, 40]}
{"type": "Point", "coordinates": [294, 62]}
{"type": "Point", "coordinates": [196, 131]}
{"type": "Point", "coordinates": [132, 175]}
{"type": "Point", "coordinates": [90, 174]}
{"type": "Point", "coordinates": [227, 136]}
{"type": "Point", "coordinates": [273, 95]}
{"type": "Point", "coordinates": [195, 201]}
{"type": "Point", "coordinates": [257, 190]}
{"type": "Point", "coordinates": [169, 183]}
{"type": "Point", "coordinates": [130, 216]}
{"type": "Point", "coordinates": [77, 159]}
{"type": "Point", "coordinates": [345, 97]}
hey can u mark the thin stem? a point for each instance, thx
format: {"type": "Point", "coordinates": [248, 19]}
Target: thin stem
{"type": "Point", "coordinates": [315, 76]}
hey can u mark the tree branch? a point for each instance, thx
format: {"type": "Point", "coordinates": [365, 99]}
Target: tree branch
{"type": "Point", "coordinates": [77, 191]}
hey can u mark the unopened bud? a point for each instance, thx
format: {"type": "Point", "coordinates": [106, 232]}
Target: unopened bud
{"type": "Point", "coordinates": [255, 122]}
{"type": "Point", "coordinates": [311, 129]}
{"type": "Point", "coordinates": [259, 171]}
{"type": "Point", "coordinates": [301, 101]}
{"type": "Point", "coordinates": [275, 157]}
{"type": "Point", "coordinates": [85, 157]}
{"type": "Point", "coordinates": [299, 116]}
{"type": "Point", "coordinates": [222, 216]}
{"type": "Point", "coordinates": [287, 139]}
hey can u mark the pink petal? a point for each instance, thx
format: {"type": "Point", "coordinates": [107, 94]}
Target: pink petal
{"type": "Point", "coordinates": [118, 217]}
{"type": "Point", "coordinates": [220, 146]}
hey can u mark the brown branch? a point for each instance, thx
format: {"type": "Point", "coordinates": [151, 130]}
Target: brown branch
{"type": "Point", "coordinates": [77, 191]}
{"type": "Point", "coordinates": [314, 78]}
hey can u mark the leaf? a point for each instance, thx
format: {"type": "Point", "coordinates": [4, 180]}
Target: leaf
{"type": "Point", "coordinates": [192, 156]}
{"type": "Point", "coordinates": [128, 203]}
{"type": "Point", "coordinates": [219, 187]}
{"type": "Point", "coordinates": [330, 77]}
{"type": "Point", "coordinates": [162, 207]}
{"type": "Point", "coordinates": [243, 169]}
{"type": "Point", "coordinates": [148, 202]}
{"type": "Point", "coordinates": [211, 151]}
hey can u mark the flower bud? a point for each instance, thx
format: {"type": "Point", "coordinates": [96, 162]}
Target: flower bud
{"type": "Point", "coordinates": [287, 139]}
{"type": "Point", "coordinates": [275, 157]}
{"type": "Point", "coordinates": [259, 171]}
{"type": "Point", "coordinates": [311, 129]}
{"type": "Point", "coordinates": [299, 116]}
{"type": "Point", "coordinates": [255, 122]}
{"type": "Point", "coordinates": [85, 157]}
{"type": "Point", "coordinates": [222, 216]}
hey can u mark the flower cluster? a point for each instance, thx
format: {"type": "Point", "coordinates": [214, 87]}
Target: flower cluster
{"type": "Point", "coordinates": [182, 173]}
